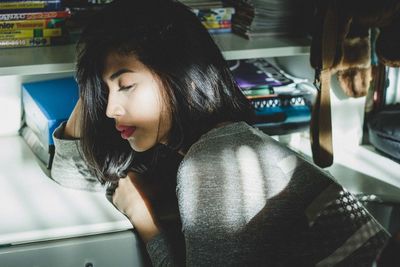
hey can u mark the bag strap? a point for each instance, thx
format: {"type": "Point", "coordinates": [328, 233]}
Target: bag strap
{"type": "Point", "coordinates": [321, 121]}
{"type": "Point", "coordinates": [321, 125]}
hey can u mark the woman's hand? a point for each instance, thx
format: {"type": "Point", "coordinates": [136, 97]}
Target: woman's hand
{"type": "Point", "coordinates": [131, 198]}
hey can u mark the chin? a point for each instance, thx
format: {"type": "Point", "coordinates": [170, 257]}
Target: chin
{"type": "Point", "coordinates": [139, 147]}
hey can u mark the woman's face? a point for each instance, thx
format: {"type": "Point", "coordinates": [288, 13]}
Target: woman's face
{"type": "Point", "coordinates": [135, 102]}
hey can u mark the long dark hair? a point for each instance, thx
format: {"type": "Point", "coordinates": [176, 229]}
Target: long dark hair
{"type": "Point", "coordinates": [169, 39]}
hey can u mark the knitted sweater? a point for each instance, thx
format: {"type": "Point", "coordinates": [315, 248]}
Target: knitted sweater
{"type": "Point", "coordinates": [68, 168]}
{"type": "Point", "coordinates": [246, 200]}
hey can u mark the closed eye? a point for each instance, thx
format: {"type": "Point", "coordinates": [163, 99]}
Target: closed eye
{"type": "Point", "coordinates": [126, 88]}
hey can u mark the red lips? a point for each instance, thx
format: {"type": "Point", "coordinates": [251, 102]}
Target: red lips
{"type": "Point", "coordinates": [126, 131]}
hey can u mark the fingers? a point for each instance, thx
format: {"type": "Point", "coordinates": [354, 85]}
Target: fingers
{"type": "Point", "coordinates": [126, 196]}
{"type": "Point", "coordinates": [110, 191]}
{"type": "Point", "coordinates": [112, 186]}
{"type": "Point", "coordinates": [117, 190]}
{"type": "Point", "coordinates": [129, 194]}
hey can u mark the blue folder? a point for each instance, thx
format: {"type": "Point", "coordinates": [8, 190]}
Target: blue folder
{"type": "Point", "coordinates": [47, 104]}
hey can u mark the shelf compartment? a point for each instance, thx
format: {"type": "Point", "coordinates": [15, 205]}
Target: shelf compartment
{"type": "Point", "coordinates": [61, 59]}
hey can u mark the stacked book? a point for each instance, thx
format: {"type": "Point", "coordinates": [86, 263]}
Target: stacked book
{"type": "Point", "coordinates": [32, 23]}
{"type": "Point", "coordinates": [213, 15]}
{"type": "Point", "coordinates": [202, 3]}
{"type": "Point", "coordinates": [255, 18]}
{"type": "Point", "coordinates": [280, 106]}
{"type": "Point", "coordinates": [46, 104]}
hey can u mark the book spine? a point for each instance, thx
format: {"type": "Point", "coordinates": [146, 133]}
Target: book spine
{"type": "Point", "coordinates": [6, 26]}
{"type": "Point", "coordinates": [17, 34]}
{"type": "Point", "coordinates": [22, 1]}
{"type": "Point", "coordinates": [223, 12]}
{"type": "Point", "coordinates": [35, 15]}
{"type": "Point", "coordinates": [29, 6]}
{"type": "Point", "coordinates": [217, 31]}
{"type": "Point", "coordinates": [36, 2]}
{"type": "Point", "coordinates": [25, 42]}
{"type": "Point", "coordinates": [259, 92]}
{"type": "Point", "coordinates": [217, 24]}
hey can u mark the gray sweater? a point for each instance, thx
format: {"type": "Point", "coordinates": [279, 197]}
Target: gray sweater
{"type": "Point", "coordinates": [68, 168]}
{"type": "Point", "coordinates": [246, 200]}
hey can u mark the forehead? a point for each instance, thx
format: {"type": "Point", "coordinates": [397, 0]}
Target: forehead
{"type": "Point", "coordinates": [115, 62]}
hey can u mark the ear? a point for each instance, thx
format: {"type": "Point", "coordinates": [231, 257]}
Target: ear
{"type": "Point", "coordinates": [388, 44]}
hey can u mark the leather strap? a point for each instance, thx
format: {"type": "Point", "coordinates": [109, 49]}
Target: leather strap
{"type": "Point", "coordinates": [321, 126]}
{"type": "Point", "coordinates": [321, 122]}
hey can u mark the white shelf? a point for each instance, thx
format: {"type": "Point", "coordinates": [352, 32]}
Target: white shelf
{"type": "Point", "coordinates": [37, 60]}
{"type": "Point", "coordinates": [59, 59]}
{"type": "Point", "coordinates": [236, 47]}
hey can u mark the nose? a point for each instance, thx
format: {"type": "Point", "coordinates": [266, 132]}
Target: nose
{"type": "Point", "coordinates": [114, 107]}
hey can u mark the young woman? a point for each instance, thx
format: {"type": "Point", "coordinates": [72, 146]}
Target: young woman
{"type": "Point", "coordinates": [153, 82]}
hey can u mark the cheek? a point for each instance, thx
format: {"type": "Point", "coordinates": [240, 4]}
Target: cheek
{"type": "Point", "coordinates": [144, 106]}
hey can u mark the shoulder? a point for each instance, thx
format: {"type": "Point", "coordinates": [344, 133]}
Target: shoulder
{"type": "Point", "coordinates": [237, 143]}
{"type": "Point", "coordinates": [234, 148]}
{"type": "Point", "coordinates": [231, 136]}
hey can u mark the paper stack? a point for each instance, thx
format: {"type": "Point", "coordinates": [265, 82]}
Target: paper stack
{"type": "Point", "coordinates": [269, 17]}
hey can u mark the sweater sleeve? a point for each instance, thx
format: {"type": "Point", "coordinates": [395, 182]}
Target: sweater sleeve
{"type": "Point", "coordinates": [69, 168]}
{"type": "Point", "coordinates": [159, 251]}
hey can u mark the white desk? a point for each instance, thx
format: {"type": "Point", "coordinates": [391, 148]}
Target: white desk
{"type": "Point", "coordinates": [35, 208]}
{"type": "Point", "coordinates": [44, 224]}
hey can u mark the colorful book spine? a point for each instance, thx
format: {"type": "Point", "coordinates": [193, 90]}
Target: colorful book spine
{"type": "Point", "coordinates": [99, 2]}
{"type": "Point", "coordinates": [29, 6]}
{"type": "Point", "coordinates": [26, 42]}
{"type": "Point", "coordinates": [223, 24]}
{"type": "Point", "coordinates": [20, 1]}
{"type": "Point", "coordinates": [33, 42]}
{"type": "Point", "coordinates": [259, 92]}
{"type": "Point", "coordinates": [30, 33]}
{"type": "Point", "coordinates": [36, 15]}
{"type": "Point", "coordinates": [30, 24]}
{"type": "Point", "coordinates": [217, 31]}
{"type": "Point", "coordinates": [216, 20]}
{"type": "Point", "coordinates": [224, 13]}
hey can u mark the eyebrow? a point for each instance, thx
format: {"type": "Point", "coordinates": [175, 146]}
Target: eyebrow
{"type": "Point", "coordinates": [119, 73]}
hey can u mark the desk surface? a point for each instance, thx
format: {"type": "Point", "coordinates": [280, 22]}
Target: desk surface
{"type": "Point", "coordinates": [35, 208]}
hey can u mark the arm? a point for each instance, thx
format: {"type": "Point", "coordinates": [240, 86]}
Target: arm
{"type": "Point", "coordinates": [69, 168]}
{"type": "Point", "coordinates": [132, 198]}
